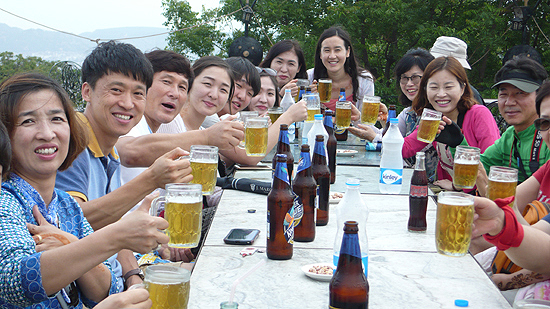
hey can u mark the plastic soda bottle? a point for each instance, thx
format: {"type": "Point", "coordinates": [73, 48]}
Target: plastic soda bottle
{"type": "Point", "coordinates": [391, 163]}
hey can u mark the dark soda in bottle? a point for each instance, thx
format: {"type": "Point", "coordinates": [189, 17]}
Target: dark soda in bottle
{"type": "Point", "coordinates": [418, 196]}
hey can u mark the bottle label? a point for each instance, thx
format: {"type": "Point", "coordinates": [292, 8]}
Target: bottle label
{"type": "Point", "coordinates": [320, 148]}
{"type": "Point", "coordinates": [327, 122]}
{"type": "Point", "coordinates": [391, 176]}
{"type": "Point", "coordinates": [281, 172]}
{"type": "Point", "coordinates": [304, 163]}
{"type": "Point", "coordinates": [339, 131]}
{"type": "Point", "coordinates": [288, 225]}
{"type": "Point", "coordinates": [291, 132]}
{"type": "Point", "coordinates": [298, 206]}
{"type": "Point", "coordinates": [268, 229]}
{"type": "Point", "coordinates": [419, 191]}
{"type": "Point", "coordinates": [283, 138]}
{"type": "Point", "coordinates": [350, 245]}
{"type": "Point", "coordinates": [317, 198]}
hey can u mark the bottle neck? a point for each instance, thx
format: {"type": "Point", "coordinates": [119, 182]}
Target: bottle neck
{"type": "Point", "coordinates": [304, 166]}
{"type": "Point", "coordinates": [420, 165]}
{"type": "Point", "coordinates": [350, 254]}
{"type": "Point", "coordinates": [284, 143]}
{"type": "Point", "coordinates": [319, 153]}
{"type": "Point", "coordinates": [280, 178]}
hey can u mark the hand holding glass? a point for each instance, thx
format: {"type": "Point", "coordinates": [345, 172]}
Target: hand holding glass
{"type": "Point", "coordinates": [204, 166]}
{"type": "Point", "coordinates": [343, 116]}
{"type": "Point", "coordinates": [370, 109]}
{"type": "Point", "coordinates": [242, 118]}
{"type": "Point", "coordinates": [429, 124]}
{"type": "Point", "coordinates": [168, 286]}
{"type": "Point", "coordinates": [256, 136]}
{"type": "Point", "coordinates": [453, 227]}
{"type": "Point", "coordinates": [502, 182]}
{"type": "Point", "coordinates": [465, 166]}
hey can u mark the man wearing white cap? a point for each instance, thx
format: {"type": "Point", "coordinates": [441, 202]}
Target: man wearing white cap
{"type": "Point", "coordinates": [521, 146]}
{"type": "Point", "coordinates": [446, 46]}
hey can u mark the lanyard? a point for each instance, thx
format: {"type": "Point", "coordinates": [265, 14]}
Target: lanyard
{"type": "Point", "coordinates": [535, 153]}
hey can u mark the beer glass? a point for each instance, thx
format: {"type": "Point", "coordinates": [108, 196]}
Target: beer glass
{"type": "Point", "coordinates": [370, 109]}
{"type": "Point", "coordinates": [324, 87]}
{"type": "Point", "coordinates": [300, 82]}
{"type": "Point", "coordinates": [453, 227]}
{"type": "Point", "coordinates": [429, 123]}
{"type": "Point", "coordinates": [465, 166]}
{"type": "Point", "coordinates": [502, 182]}
{"type": "Point", "coordinates": [183, 211]}
{"type": "Point", "coordinates": [343, 116]}
{"type": "Point", "coordinates": [242, 118]}
{"type": "Point", "coordinates": [274, 113]}
{"type": "Point", "coordinates": [256, 136]}
{"type": "Point", "coordinates": [168, 286]}
{"type": "Point", "coordinates": [313, 106]}
{"type": "Point", "coordinates": [204, 166]}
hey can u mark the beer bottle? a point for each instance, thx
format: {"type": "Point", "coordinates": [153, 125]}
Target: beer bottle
{"type": "Point", "coordinates": [341, 136]}
{"type": "Point", "coordinates": [349, 287]}
{"type": "Point", "coordinates": [321, 173]}
{"type": "Point", "coordinates": [283, 147]}
{"type": "Point", "coordinates": [418, 196]}
{"type": "Point", "coordinates": [392, 113]}
{"type": "Point", "coordinates": [331, 145]}
{"type": "Point", "coordinates": [280, 214]}
{"type": "Point", "coordinates": [305, 187]}
{"type": "Point", "coordinates": [301, 93]}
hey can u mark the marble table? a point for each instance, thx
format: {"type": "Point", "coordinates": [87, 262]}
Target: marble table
{"type": "Point", "coordinates": [405, 271]}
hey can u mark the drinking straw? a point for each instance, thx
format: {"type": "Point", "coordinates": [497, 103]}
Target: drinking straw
{"type": "Point", "coordinates": [241, 278]}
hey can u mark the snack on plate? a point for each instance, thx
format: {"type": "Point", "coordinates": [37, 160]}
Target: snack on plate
{"type": "Point", "coordinates": [336, 195]}
{"type": "Point", "coordinates": [321, 270]}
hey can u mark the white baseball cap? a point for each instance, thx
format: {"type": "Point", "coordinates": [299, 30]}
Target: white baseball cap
{"type": "Point", "coordinates": [450, 46]}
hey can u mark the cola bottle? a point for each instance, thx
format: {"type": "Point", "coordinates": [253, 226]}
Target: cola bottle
{"type": "Point", "coordinates": [418, 196]}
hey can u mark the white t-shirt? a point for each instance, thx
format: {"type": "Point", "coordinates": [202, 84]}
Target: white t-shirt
{"type": "Point", "coordinates": [141, 129]}
{"type": "Point", "coordinates": [173, 127]}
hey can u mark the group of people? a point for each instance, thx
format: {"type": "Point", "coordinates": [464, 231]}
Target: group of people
{"type": "Point", "coordinates": [77, 186]}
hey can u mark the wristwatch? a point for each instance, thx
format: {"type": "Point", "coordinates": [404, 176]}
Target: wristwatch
{"type": "Point", "coordinates": [132, 272]}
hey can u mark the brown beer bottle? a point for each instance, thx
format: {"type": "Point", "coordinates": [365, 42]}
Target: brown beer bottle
{"type": "Point", "coordinates": [321, 173]}
{"type": "Point", "coordinates": [280, 214]}
{"type": "Point", "coordinates": [305, 187]}
{"type": "Point", "coordinates": [418, 196]}
{"type": "Point", "coordinates": [283, 147]}
{"type": "Point", "coordinates": [331, 145]}
{"type": "Point", "coordinates": [349, 287]}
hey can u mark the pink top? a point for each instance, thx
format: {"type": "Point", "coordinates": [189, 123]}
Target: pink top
{"type": "Point", "coordinates": [332, 103]}
{"type": "Point", "coordinates": [479, 129]}
{"type": "Point", "coordinates": [543, 176]}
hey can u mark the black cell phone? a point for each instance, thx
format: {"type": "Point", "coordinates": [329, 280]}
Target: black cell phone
{"type": "Point", "coordinates": [241, 236]}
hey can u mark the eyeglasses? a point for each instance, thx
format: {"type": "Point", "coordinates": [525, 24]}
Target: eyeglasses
{"type": "Point", "coordinates": [415, 79]}
{"type": "Point", "coordinates": [542, 124]}
{"type": "Point", "coordinates": [268, 71]}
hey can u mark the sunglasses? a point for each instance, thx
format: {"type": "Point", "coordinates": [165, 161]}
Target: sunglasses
{"type": "Point", "coordinates": [542, 124]}
{"type": "Point", "coordinates": [267, 71]}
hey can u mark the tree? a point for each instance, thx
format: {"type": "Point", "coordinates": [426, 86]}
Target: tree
{"type": "Point", "coordinates": [383, 31]}
{"type": "Point", "coordinates": [11, 64]}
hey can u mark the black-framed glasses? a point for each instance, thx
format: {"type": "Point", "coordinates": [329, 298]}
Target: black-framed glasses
{"type": "Point", "coordinates": [415, 79]}
{"type": "Point", "coordinates": [542, 124]}
{"type": "Point", "coordinates": [268, 71]}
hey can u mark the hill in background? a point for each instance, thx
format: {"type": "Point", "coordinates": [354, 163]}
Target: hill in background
{"type": "Point", "coordinates": [54, 46]}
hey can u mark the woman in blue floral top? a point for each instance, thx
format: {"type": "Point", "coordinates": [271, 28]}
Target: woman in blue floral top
{"type": "Point", "coordinates": [50, 256]}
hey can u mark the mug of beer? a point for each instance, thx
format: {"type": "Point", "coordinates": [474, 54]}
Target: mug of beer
{"type": "Point", "coordinates": [343, 116]}
{"type": "Point", "coordinates": [274, 113]}
{"type": "Point", "coordinates": [369, 109]}
{"type": "Point", "coordinates": [453, 227]}
{"type": "Point", "coordinates": [429, 123]}
{"type": "Point", "coordinates": [465, 166]}
{"type": "Point", "coordinates": [313, 105]}
{"type": "Point", "coordinates": [299, 83]}
{"type": "Point", "coordinates": [324, 87]}
{"type": "Point", "coordinates": [204, 166]}
{"type": "Point", "coordinates": [183, 211]}
{"type": "Point", "coordinates": [502, 182]}
{"type": "Point", "coordinates": [242, 118]}
{"type": "Point", "coordinates": [255, 132]}
{"type": "Point", "coordinates": [168, 286]}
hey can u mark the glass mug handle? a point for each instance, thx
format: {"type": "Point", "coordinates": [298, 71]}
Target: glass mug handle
{"type": "Point", "coordinates": [155, 206]}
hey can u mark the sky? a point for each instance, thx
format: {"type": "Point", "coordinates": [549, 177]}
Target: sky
{"type": "Point", "coordinates": [79, 16]}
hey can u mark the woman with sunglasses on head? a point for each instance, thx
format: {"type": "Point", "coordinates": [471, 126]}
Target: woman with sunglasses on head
{"type": "Point", "coordinates": [268, 96]}
{"type": "Point", "coordinates": [51, 258]}
{"type": "Point", "coordinates": [444, 87]}
{"type": "Point", "coordinates": [287, 59]}
{"type": "Point", "coordinates": [335, 59]}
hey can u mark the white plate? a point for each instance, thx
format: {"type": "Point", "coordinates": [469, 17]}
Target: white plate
{"type": "Point", "coordinates": [315, 276]}
{"type": "Point", "coordinates": [346, 152]}
{"type": "Point", "coordinates": [335, 200]}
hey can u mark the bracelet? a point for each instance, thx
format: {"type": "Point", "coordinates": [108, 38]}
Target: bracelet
{"type": "Point", "coordinates": [512, 233]}
{"type": "Point", "coordinates": [130, 273]}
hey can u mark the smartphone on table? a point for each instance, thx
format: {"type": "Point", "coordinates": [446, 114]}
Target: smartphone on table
{"type": "Point", "coordinates": [241, 236]}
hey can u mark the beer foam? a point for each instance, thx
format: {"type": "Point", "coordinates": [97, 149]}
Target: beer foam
{"type": "Point", "coordinates": [466, 162]}
{"type": "Point", "coordinates": [184, 199]}
{"type": "Point", "coordinates": [503, 178]}
{"type": "Point", "coordinates": [210, 161]}
{"type": "Point", "coordinates": [455, 201]}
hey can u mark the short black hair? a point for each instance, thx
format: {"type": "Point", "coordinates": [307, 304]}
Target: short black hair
{"type": "Point", "coordinates": [243, 67]}
{"type": "Point", "coordinates": [115, 57]}
{"type": "Point", "coordinates": [416, 56]}
{"type": "Point", "coordinates": [167, 60]}
{"type": "Point", "coordinates": [529, 66]}
{"type": "Point", "coordinates": [542, 93]}
{"type": "Point", "coordinates": [5, 150]}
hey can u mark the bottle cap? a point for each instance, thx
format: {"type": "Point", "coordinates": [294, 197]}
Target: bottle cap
{"type": "Point", "coordinates": [353, 182]}
{"type": "Point", "coordinates": [394, 120]}
{"type": "Point", "coordinates": [318, 116]}
{"type": "Point", "coordinates": [287, 90]}
{"type": "Point", "coordinates": [461, 303]}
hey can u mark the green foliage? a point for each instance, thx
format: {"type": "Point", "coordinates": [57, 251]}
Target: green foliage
{"type": "Point", "coordinates": [11, 64]}
{"type": "Point", "coordinates": [383, 30]}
